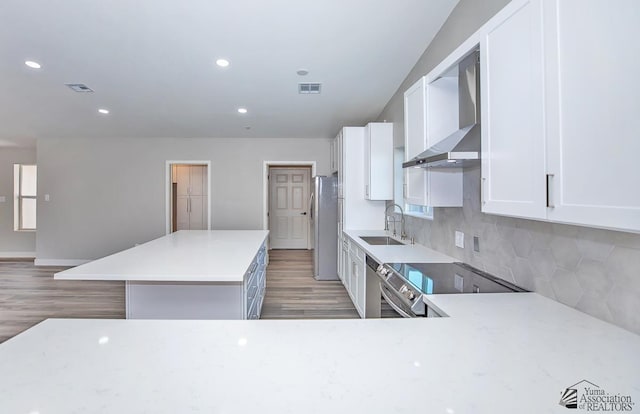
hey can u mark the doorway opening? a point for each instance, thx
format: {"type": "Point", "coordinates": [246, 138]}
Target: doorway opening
{"type": "Point", "coordinates": [188, 199]}
{"type": "Point", "coordinates": [286, 204]}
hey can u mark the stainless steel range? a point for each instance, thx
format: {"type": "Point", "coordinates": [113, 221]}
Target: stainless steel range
{"type": "Point", "coordinates": [403, 284]}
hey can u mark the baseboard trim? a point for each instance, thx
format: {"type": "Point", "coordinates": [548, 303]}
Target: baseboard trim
{"type": "Point", "coordinates": [60, 262]}
{"type": "Point", "coordinates": [17, 255]}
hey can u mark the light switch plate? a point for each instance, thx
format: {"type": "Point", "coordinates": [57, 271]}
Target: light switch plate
{"type": "Point", "coordinates": [460, 239]}
{"type": "Point", "coordinates": [46, 197]}
{"type": "Point", "coordinates": [3, 199]}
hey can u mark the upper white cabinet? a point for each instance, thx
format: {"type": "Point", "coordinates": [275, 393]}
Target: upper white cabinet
{"type": "Point", "coordinates": [378, 161]}
{"type": "Point", "coordinates": [593, 107]}
{"type": "Point", "coordinates": [357, 213]}
{"type": "Point", "coordinates": [513, 132]}
{"type": "Point", "coordinates": [415, 141]}
{"type": "Point", "coordinates": [560, 112]}
{"type": "Point", "coordinates": [431, 114]}
{"type": "Point", "coordinates": [334, 155]}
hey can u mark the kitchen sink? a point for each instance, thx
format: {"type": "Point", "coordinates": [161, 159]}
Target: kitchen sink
{"type": "Point", "coordinates": [380, 240]}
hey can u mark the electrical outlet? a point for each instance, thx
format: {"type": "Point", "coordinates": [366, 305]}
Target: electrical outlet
{"type": "Point", "coordinates": [3, 199]}
{"type": "Point", "coordinates": [476, 244]}
{"type": "Point", "coordinates": [47, 197]}
{"type": "Point", "coordinates": [460, 239]}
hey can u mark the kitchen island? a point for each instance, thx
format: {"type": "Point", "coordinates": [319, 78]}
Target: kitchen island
{"type": "Point", "coordinates": [189, 274]}
{"type": "Point", "coordinates": [496, 353]}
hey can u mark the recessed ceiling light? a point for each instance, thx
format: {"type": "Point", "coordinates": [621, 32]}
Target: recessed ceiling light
{"type": "Point", "coordinates": [103, 111]}
{"type": "Point", "coordinates": [452, 161]}
{"type": "Point", "coordinates": [32, 64]}
{"type": "Point", "coordinates": [302, 72]}
{"type": "Point", "coordinates": [242, 110]}
{"type": "Point", "coordinates": [223, 63]}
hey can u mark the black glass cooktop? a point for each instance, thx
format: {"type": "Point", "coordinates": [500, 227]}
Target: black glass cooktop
{"type": "Point", "coordinates": [433, 278]}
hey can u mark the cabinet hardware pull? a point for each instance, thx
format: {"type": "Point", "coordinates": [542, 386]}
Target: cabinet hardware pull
{"type": "Point", "coordinates": [482, 190]}
{"type": "Point", "coordinates": [549, 200]}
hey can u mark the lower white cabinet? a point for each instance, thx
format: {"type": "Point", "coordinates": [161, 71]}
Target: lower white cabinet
{"type": "Point", "coordinates": [255, 282]}
{"type": "Point", "coordinates": [354, 274]}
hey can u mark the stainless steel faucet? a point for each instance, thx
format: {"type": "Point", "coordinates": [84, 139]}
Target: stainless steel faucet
{"type": "Point", "coordinates": [403, 234]}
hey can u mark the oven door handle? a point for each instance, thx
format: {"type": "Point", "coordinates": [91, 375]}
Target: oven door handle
{"type": "Point", "coordinates": [390, 301]}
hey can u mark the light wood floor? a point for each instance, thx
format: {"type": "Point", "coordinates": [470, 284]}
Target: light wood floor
{"type": "Point", "coordinates": [293, 293]}
{"type": "Point", "coordinates": [29, 294]}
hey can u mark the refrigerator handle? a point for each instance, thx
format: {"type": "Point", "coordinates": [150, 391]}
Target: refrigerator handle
{"type": "Point", "coordinates": [311, 206]}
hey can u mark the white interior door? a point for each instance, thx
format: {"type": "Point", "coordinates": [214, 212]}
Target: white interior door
{"type": "Point", "coordinates": [288, 207]}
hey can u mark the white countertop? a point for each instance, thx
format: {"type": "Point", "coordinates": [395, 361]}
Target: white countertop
{"type": "Point", "coordinates": [407, 253]}
{"type": "Point", "coordinates": [497, 353]}
{"type": "Point", "coordinates": [186, 256]}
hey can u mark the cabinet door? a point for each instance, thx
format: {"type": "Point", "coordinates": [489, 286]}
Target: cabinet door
{"type": "Point", "coordinates": [357, 285]}
{"type": "Point", "coordinates": [346, 268]}
{"type": "Point", "coordinates": [379, 161]}
{"type": "Point", "coordinates": [340, 160]}
{"type": "Point", "coordinates": [361, 290]}
{"type": "Point", "coordinates": [182, 213]}
{"type": "Point", "coordinates": [197, 213]}
{"type": "Point", "coordinates": [594, 146]}
{"type": "Point", "coordinates": [183, 180]}
{"type": "Point", "coordinates": [513, 129]}
{"type": "Point", "coordinates": [415, 136]}
{"type": "Point", "coordinates": [367, 162]}
{"type": "Point", "coordinates": [197, 180]}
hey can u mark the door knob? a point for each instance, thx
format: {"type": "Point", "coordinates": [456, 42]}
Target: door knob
{"type": "Point", "coordinates": [304, 214]}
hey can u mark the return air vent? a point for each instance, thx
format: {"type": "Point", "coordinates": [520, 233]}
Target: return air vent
{"type": "Point", "coordinates": [79, 87]}
{"type": "Point", "coordinates": [307, 88]}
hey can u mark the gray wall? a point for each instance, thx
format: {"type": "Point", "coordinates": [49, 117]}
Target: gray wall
{"type": "Point", "coordinates": [595, 271]}
{"type": "Point", "coordinates": [13, 241]}
{"type": "Point", "coordinates": [107, 195]}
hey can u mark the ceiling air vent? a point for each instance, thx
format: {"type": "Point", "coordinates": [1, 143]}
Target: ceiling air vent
{"type": "Point", "coordinates": [308, 88]}
{"type": "Point", "coordinates": [79, 87]}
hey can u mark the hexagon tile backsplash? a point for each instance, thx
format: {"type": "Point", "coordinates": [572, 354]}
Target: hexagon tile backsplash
{"type": "Point", "coordinates": [595, 271]}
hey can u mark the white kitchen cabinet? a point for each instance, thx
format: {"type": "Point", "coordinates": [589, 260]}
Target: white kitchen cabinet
{"type": "Point", "coordinates": [334, 155]}
{"type": "Point", "coordinates": [345, 264]}
{"type": "Point", "coordinates": [431, 114]}
{"type": "Point", "coordinates": [255, 285]}
{"type": "Point", "coordinates": [357, 277]}
{"type": "Point", "coordinates": [358, 213]}
{"type": "Point", "coordinates": [513, 129]}
{"type": "Point", "coordinates": [592, 112]}
{"type": "Point", "coordinates": [415, 141]}
{"type": "Point", "coordinates": [339, 153]}
{"type": "Point", "coordinates": [560, 118]}
{"type": "Point", "coordinates": [355, 212]}
{"type": "Point", "coordinates": [378, 161]}
{"type": "Point", "coordinates": [340, 241]}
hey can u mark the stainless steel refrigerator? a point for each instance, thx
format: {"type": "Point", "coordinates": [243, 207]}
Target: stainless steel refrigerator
{"type": "Point", "coordinates": [324, 218]}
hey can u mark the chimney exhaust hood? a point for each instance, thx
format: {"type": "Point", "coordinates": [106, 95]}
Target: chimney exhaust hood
{"type": "Point", "coordinates": [462, 148]}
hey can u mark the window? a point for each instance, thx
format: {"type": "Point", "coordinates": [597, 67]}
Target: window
{"type": "Point", "coordinates": [409, 209]}
{"type": "Point", "coordinates": [25, 178]}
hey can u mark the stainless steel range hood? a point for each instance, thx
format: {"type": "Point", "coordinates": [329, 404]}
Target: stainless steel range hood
{"type": "Point", "coordinates": [462, 148]}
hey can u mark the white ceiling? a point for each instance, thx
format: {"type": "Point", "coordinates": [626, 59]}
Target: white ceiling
{"type": "Point", "coordinates": [151, 63]}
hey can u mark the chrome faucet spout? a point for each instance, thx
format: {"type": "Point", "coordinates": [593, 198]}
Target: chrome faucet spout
{"type": "Point", "coordinates": [403, 234]}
